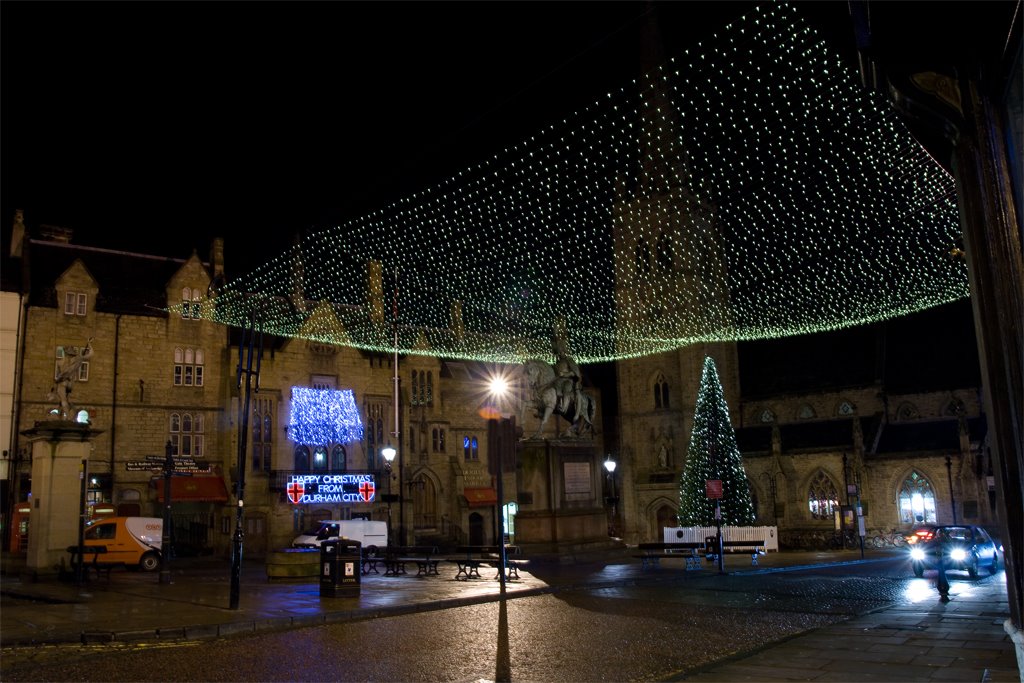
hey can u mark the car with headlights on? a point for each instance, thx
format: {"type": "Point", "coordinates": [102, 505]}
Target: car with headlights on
{"type": "Point", "coordinates": [959, 546]}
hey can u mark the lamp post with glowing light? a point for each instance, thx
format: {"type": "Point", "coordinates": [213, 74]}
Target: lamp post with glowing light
{"type": "Point", "coordinates": [389, 454]}
{"type": "Point", "coordinates": [613, 500]}
{"type": "Point", "coordinates": [497, 388]}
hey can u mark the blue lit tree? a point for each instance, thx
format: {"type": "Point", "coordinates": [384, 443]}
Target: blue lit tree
{"type": "Point", "coordinates": [713, 454]}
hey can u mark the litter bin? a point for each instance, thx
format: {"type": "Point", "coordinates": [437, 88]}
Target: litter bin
{"type": "Point", "coordinates": [711, 548]}
{"type": "Point", "coordinates": [340, 568]}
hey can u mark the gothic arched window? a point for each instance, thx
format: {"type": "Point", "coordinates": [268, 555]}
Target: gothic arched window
{"type": "Point", "coordinates": [822, 499]}
{"type": "Point", "coordinates": [916, 499]}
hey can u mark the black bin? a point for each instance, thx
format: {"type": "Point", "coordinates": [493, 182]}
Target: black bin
{"type": "Point", "coordinates": [340, 568]}
{"type": "Point", "coordinates": [711, 547]}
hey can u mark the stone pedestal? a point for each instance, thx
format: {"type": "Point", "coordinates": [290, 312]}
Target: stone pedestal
{"type": "Point", "coordinates": [560, 498]}
{"type": "Point", "coordinates": [59, 449]}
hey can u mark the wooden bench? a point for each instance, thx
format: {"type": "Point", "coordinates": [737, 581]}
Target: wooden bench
{"type": "Point", "coordinates": [652, 553]}
{"type": "Point", "coordinates": [425, 557]}
{"type": "Point", "coordinates": [470, 558]}
{"type": "Point", "coordinates": [757, 545]}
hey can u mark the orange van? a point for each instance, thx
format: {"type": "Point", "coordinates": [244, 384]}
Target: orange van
{"type": "Point", "coordinates": [132, 541]}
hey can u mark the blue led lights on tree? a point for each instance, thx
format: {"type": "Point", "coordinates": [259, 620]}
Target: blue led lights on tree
{"type": "Point", "coordinates": [713, 454]}
{"type": "Point", "coordinates": [324, 416]}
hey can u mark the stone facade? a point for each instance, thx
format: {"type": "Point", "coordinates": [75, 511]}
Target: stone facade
{"type": "Point", "coordinates": [153, 368]}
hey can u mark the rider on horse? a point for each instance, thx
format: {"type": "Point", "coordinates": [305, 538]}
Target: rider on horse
{"type": "Point", "coordinates": [568, 379]}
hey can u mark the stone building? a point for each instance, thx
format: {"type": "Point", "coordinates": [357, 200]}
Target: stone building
{"type": "Point", "coordinates": [888, 413]}
{"type": "Point", "coordinates": [162, 379]}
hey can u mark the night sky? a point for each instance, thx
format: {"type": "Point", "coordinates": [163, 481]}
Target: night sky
{"type": "Point", "coordinates": [156, 126]}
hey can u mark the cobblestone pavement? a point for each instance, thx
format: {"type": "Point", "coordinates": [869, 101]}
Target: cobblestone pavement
{"type": "Point", "coordinates": [870, 629]}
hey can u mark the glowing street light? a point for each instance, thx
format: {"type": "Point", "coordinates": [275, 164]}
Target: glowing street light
{"type": "Point", "coordinates": [610, 465]}
{"type": "Point", "coordinates": [389, 454]}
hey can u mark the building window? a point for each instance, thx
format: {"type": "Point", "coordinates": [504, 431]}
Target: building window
{"type": "Point", "coordinates": [430, 388]}
{"type": "Point", "coordinates": [661, 393]}
{"type": "Point", "coordinates": [319, 459]}
{"type": "Point", "coordinates": [846, 409]}
{"type": "Point", "coordinates": [323, 382]}
{"type": "Point", "coordinates": [412, 439]}
{"type": "Point", "coordinates": [767, 416]}
{"type": "Point", "coordinates": [822, 498]}
{"type": "Point", "coordinates": [188, 367]}
{"type": "Point", "coordinates": [470, 450]}
{"type": "Point", "coordinates": [806, 412]}
{"type": "Point", "coordinates": [665, 254]}
{"type": "Point", "coordinates": [63, 352]}
{"type": "Point", "coordinates": [74, 303]}
{"type": "Point", "coordinates": [374, 432]}
{"type": "Point", "coordinates": [916, 500]}
{"type": "Point", "coordinates": [339, 459]}
{"type": "Point", "coordinates": [187, 434]}
{"type": "Point", "coordinates": [191, 306]}
{"type": "Point", "coordinates": [301, 459]}
{"type": "Point", "coordinates": [437, 438]}
{"type": "Point", "coordinates": [643, 257]}
{"type": "Point", "coordinates": [262, 433]}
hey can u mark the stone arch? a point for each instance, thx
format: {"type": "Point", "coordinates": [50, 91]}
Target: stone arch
{"type": "Point", "coordinates": [845, 408]}
{"type": "Point", "coordinates": [824, 484]}
{"type": "Point", "coordinates": [426, 492]}
{"type": "Point", "coordinates": [662, 511]}
{"type": "Point", "coordinates": [907, 411]}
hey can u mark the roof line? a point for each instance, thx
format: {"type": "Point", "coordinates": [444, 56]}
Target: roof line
{"type": "Point", "coordinates": [102, 250]}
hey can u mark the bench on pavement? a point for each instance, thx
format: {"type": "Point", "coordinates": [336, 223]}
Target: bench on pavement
{"type": "Point", "coordinates": [650, 554]}
{"type": "Point", "coordinates": [469, 558]}
{"type": "Point", "coordinates": [80, 553]}
{"type": "Point", "coordinates": [424, 556]}
{"type": "Point", "coordinates": [756, 545]}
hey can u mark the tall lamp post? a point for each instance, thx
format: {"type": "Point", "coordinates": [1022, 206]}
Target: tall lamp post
{"type": "Point", "coordinates": [610, 465]}
{"type": "Point", "coordinates": [389, 454]}
{"type": "Point", "coordinates": [949, 475]}
{"type": "Point", "coordinates": [498, 389]}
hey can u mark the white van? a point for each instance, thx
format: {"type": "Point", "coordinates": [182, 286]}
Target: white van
{"type": "Point", "coordinates": [373, 535]}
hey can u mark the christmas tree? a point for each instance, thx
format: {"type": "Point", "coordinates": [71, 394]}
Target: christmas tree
{"type": "Point", "coordinates": [713, 454]}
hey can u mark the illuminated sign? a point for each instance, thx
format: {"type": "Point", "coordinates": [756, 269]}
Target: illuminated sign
{"type": "Point", "coordinates": [303, 489]}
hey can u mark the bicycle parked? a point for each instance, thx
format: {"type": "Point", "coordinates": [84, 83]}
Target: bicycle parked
{"type": "Point", "coordinates": [889, 539]}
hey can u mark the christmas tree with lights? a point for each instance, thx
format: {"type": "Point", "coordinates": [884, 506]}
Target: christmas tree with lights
{"type": "Point", "coordinates": [713, 454]}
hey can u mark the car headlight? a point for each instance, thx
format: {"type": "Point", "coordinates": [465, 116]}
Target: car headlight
{"type": "Point", "coordinates": [916, 554]}
{"type": "Point", "coordinates": [958, 554]}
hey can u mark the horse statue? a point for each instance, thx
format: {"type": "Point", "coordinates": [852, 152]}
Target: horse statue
{"type": "Point", "coordinates": [550, 396]}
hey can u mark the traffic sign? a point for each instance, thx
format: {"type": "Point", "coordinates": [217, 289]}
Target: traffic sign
{"type": "Point", "coordinates": [142, 466]}
{"type": "Point", "coordinates": [713, 488]}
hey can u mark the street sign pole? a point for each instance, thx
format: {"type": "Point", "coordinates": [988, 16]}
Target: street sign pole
{"type": "Point", "coordinates": [165, 539]}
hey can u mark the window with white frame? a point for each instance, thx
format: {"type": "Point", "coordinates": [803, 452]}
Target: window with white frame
{"type": "Point", "coordinates": [74, 303]}
{"type": "Point", "coordinates": [188, 367]}
{"type": "Point", "coordinates": [191, 304]}
{"type": "Point", "coordinates": [186, 434]}
{"type": "Point", "coordinates": [64, 351]}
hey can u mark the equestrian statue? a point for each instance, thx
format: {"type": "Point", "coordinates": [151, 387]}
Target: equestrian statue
{"type": "Point", "coordinates": [558, 389]}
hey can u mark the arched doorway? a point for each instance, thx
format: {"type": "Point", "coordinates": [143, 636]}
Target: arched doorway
{"type": "Point", "coordinates": [666, 517]}
{"type": "Point", "coordinates": [476, 529]}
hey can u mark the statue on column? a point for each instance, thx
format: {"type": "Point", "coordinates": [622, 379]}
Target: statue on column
{"type": "Point", "coordinates": [67, 374]}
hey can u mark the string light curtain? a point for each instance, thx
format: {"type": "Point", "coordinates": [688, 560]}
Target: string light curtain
{"type": "Point", "coordinates": [749, 188]}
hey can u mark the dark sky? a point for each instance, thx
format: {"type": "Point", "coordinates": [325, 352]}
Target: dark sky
{"type": "Point", "coordinates": [156, 126]}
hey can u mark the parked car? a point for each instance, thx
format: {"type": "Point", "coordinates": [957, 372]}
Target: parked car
{"type": "Point", "coordinates": [921, 533]}
{"type": "Point", "coordinates": [962, 547]}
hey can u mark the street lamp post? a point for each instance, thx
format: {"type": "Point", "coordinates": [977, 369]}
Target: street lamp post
{"type": "Point", "coordinates": [610, 465]}
{"type": "Point", "coordinates": [949, 475]}
{"type": "Point", "coordinates": [389, 454]}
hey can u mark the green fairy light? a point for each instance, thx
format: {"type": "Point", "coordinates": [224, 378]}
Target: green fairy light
{"type": "Point", "coordinates": [748, 189]}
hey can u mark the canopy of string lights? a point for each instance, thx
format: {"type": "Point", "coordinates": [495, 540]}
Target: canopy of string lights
{"type": "Point", "coordinates": [748, 188]}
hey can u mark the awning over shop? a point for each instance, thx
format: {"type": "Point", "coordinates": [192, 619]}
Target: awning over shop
{"type": "Point", "coordinates": [480, 497]}
{"type": "Point", "coordinates": [195, 489]}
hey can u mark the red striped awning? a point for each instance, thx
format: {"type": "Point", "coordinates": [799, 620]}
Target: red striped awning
{"type": "Point", "coordinates": [480, 497]}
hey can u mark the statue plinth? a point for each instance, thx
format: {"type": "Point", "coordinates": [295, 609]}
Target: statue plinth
{"type": "Point", "coordinates": [60, 457]}
{"type": "Point", "coordinates": [560, 498]}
